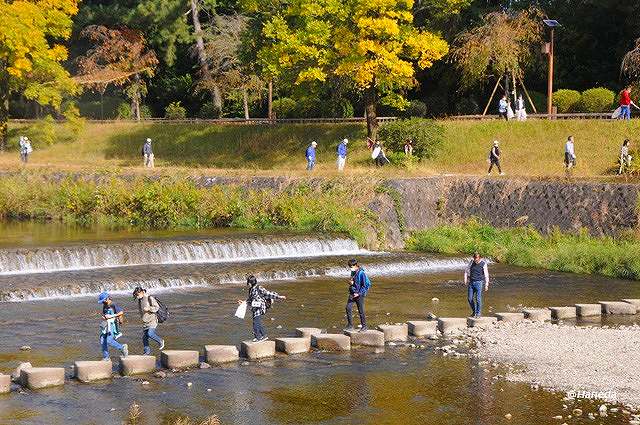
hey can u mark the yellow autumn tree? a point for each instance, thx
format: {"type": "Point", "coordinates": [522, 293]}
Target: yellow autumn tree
{"type": "Point", "coordinates": [30, 54]}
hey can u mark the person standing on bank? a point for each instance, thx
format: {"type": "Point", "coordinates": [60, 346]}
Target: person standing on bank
{"type": "Point", "coordinates": [147, 154]}
{"type": "Point", "coordinates": [503, 108]}
{"type": "Point", "coordinates": [358, 287]}
{"type": "Point", "coordinates": [476, 274]}
{"type": "Point", "coordinates": [494, 158]}
{"type": "Point", "coordinates": [310, 154]}
{"type": "Point", "coordinates": [342, 154]}
{"type": "Point", "coordinates": [110, 326]}
{"type": "Point", "coordinates": [569, 154]}
{"type": "Point", "coordinates": [148, 307]}
{"type": "Point", "coordinates": [260, 301]}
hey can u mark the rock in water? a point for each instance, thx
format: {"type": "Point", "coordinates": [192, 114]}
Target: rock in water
{"type": "Point", "coordinates": [25, 348]}
{"type": "Point", "coordinates": [15, 376]}
{"type": "Point", "coordinates": [160, 374]}
{"type": "Point", "coordinates": [204, 365]}
{"type": "Point", "coordinates": [508, 416]}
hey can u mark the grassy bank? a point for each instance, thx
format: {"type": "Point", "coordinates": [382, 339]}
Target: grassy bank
{"type": "Point", "coordinates": [533, 148]}
{"type": "Point", "coordinates": [170, 203]}
{"type": "Point", "coordinates": [526, 247]}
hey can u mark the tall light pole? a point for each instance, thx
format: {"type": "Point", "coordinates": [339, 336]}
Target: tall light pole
{"type": "Point", "coordinates": [551, 23]}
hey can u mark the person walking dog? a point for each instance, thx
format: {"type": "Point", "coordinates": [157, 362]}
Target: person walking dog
{"type": "Point", "coordinates": [476, 274]}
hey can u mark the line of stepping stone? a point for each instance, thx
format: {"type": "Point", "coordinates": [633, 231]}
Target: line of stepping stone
{"type": "Point", "coordinates": [88, 371]}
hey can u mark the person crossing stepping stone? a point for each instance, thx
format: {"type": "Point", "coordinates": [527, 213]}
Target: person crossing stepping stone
{"type": "Point", "coordinates": [359, 285]}
{"type": "Point", "coordinates": [260, 301]}
{"type": "Point", "coordinates": [475, 275]}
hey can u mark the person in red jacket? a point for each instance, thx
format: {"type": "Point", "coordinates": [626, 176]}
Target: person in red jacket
{"type": "Point", "coordinates": [625, 104]}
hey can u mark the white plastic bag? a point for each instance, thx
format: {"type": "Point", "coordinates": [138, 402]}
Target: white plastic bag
{"type": "Point", "coordinates": [510, 113]}
{"type": "Point", "coordinates": [241, 310]}
{"type": "Point", "coordinates": [616, 114]}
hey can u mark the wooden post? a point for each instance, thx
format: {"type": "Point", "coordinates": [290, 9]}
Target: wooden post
{"type": "Point", "coordinates": [535, 111]}
{"type": "Point", "coordinates": [550, 79]}
{"type": "Point", "coordinates": [491, 97]}
{"type": "Point", "coordinates": [270, 101]}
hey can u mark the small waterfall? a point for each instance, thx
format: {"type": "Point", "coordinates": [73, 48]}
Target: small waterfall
{"type": "Point", "coordinates": [91, 256]}
{"type": "Point", "coordinates": [430, 265]}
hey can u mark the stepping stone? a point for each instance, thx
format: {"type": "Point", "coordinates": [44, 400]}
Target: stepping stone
{"type": "Point", "coordinates": [331, 342]}
{"type": "Point", "coordinates": [617, 307]}
{"type": "Point", "coordinates": [537, 314]}
{"type": "Point", "coordinates": [481, 322]}
{"type": "Point", "coordinates": [293, 345]}
{"type": "Point", "coordinates": [510, 317]}
{"type": "Point", "coordinates": [137, 365]}
{"type": "Point", "coordinates": [566, 312]}
{"type": "Point", "coordinates": [179, 359]}
{"type": "Point", "coordinates": [92, 370]}
{"type": "Point", "coordinates": [368, 338]}
{"type": "Point", "coordinates": [448, 325]}
{"type": "Point", "coordinates": [42, 377]}
{"type": "Point", "coordinates": [422, 327]}
{"type": "Point", "coordinates": [5, 383]}
{"type": "Point", "coordinates": [588, 310]}
{"type": "Point", "coordinates": [395, 332]}
{"type": "Point", "coordinates": [634, 301]}
{"type": "Point", "coordinates": [218, 354]}
{"type": "Point", "coordinates": [257, 350]}
{"type": "Point", "coordinates": [307, 332]}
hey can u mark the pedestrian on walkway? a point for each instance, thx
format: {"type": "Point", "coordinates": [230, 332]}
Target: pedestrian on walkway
{"type": "Point", "coordinates": [342, 154]}
{"type": "Point", "coordinates": [476, 274]}
{"type": "Point", "coordinates": [147, 154]}
{"type": "Point", "coordinates": [359, 285]}
{"type": "Point", "coordinates": [494, 158]}
{"type": "Point", "coordinates": [260, 300]}
{"type": "Point", "coordinates": [626, 103]}
{"type": "Point", "coordinates": [521, 111]}
{"type": "Point", "coordinates": [148, 308]}
{"type": "Point", "coordinates": [25, 149]}
{"type": "Point", "coordinates": [310, 154]}
{"type": "Point", "coordinates": [503, 108]}
{"type": "Point", "coordinates": [569, 154]}
{"type": "Point", "coordinates": [625, 157]}
{"type": "Point", "coordinates": [110, 326]}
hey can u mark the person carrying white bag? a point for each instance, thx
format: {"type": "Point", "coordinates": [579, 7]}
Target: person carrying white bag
{"type": "Point", "coordinates": [260, 301]}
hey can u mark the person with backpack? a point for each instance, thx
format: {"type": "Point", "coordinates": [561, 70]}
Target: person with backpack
{"type": "Point", "coordinates": [494, 158]}
{"type": "Point", "coordinates": [359, 285]}
{"type": "Point", "coordinates": [112, 317]}
{"type": "Point", "coordinates": [152, 312]}
{"type": "Point", "coordinates": [475, 275]}
{"type": "Point", "coordinates": [260, 300]}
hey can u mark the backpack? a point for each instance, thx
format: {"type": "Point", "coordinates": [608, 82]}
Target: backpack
{"type": "Point", "coordinates": [163, 312]}
{"type": "Point", "coordinates": [367, 282]}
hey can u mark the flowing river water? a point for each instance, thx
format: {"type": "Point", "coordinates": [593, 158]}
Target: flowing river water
{"type": "Point", "coordinates": [48, 288]}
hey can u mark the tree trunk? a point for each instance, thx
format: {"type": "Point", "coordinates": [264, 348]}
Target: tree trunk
{"type": "Point", "coordinates": [370, 100]}
{"type": "Point", "coordinates": [4, 107]}
{"type": "Point", "coordinates": [135, 99]}
{"type": "Point", "coordinates": [270, 101]}
{"type": "Point", "coordinates": [245, 103]}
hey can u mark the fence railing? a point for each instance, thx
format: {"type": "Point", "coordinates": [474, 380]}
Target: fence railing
{"type": "Point", "coordinates": [575, 116]}
{"type": "Point", "coordinates": [240, 121]}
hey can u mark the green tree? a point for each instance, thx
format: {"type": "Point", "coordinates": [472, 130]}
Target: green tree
{"type": "Point", "coordinates": [30, 56]}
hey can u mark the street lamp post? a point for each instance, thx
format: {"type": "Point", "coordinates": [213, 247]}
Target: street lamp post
{"type": "Point", "coordinates": [549, 50]}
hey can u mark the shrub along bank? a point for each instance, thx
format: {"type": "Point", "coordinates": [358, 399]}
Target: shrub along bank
{"type": "Point", "coordinates": [525, 247]}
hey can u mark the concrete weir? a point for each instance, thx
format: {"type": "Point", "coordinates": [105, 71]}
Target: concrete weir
{"type": "Point", "coordinates": [42, 377]}
{"type": "Point", "coordinates": [257, 350]}
{"type": "Point", "coordinates": [617, 307]}
{"type": "Point", "coordinates": [92, 370]}
{"type": "Point", "coordinates": [510, 317]}
{"type": "Point", "coordinates": [307, 332]}
{"type": "Point", "coordinates": [420, 328]}
{"type": "Point", "coordinates": [565, 312]}
{"type": "Point", "coordinates": [293, 345]}
{"type": "Point", "coordinates": [179, 359]}
{"type": "Point", "coordinates": [481, 322]}
{"type": "Point", "coordinates": [394, 332]}
{"type": "Point", "coordinates": [537, 314]}
{"type": "Point", "coordinates": [219, 354]}
{"type": "Point", "coordinates": [448, 325]}
{"type": "Point", "coordinates": [137, 365]}
{"type": "Point", "coordinates": [331, 342]}
{"type": "Point", "coordinates": [588, 310]}
{"type": "Point", "coordinates": [368, 338]}
{"type": "Point", "coordinates": [634, 301]}
{"type": "Point", "coordinates": [5, 384]}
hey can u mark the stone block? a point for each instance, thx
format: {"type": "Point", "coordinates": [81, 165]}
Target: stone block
{"type": "Point", "coordinates": [481, 322]}
{"type": "Point", "coordinates": [331, 342]}
{"type": "Point", "coordinates": [219, 354]}
{"type": "Point", "coordinates": [179, 359]}
{"type": "Point", "coordinates": [537, 314]}
{"type": "Point", "coordinates": [634, 301]}
{"type": "Point", "coordinates": [293, 345]}
{"type": "Point", "coordinates": [559, 313]}
{"type": "Point", "coordinates": [15, 376]}
{"type": "Point", "coordinates": [510, 317]}
{"type": "Point", "coordinates": [422, 327]}
{"type": "Point", "coordinates": [451, 324]}
{"type": "Point", "coordinates": [588, 310]}
{"type": "Point", "coordinates": [307, 332]}
{"type": "Point", "coordinates": [137, 365]}
{"type": "Point", "coordinates": [394, 332]}
{"type": "Point", "coordinates": [368, 338]}
{"type": "Point", "coordinates": [89, 371]}
{"type": "Point", "coordinates": [42, 377]}
{"type": "Point", "coordinates": [617, 307]}
{"type": "Point", "coordinates": [5, 383]}
{"type": "Point", "coordinates": [257, 350]}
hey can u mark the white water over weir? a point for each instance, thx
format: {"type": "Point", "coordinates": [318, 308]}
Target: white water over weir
{"type": "Point", "coordinates": [122, 254]}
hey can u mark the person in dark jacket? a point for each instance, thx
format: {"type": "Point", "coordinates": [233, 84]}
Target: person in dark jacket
{"type": "Point", "coordinates": [476, 274]}
{"type": "Point", "coordinates": [358, 287]}
{"type": "Point", "coordinates": [494, 158]}
{"type": "Point", "coordinates": [259, 300]}
{"type": "Point", "coordinates": [147, 154]}
{"type": "Point", "coordinates": [109, 326]}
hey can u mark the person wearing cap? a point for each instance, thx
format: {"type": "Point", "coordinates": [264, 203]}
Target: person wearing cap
{"type": "Point", "coordinates": [494, 158]}
{"type": "Point", "coordinates": [310, 154]}
{"type": "Point", "coordinates": [342, 154]}
{"type": "Point", "coordinates": [260, 301]}
{"type": "Point", "coordinates": [109, 326]}
{"type": "Point", "coordinates": [475, 275]}
{"type": "Point", "coordinates": [147, 154]}
{"type": "Point", "coordinates": [148, 307]}
{"type": "Point", "coordinates": [358, 287]}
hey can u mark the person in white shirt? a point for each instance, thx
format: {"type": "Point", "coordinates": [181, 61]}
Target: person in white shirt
{"type": "Point", "coordinates": [521, 112]}
{"type": "Point", "coordinates": [569, 153]}
{"type": "Point", "coordinates": [625, 158]}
